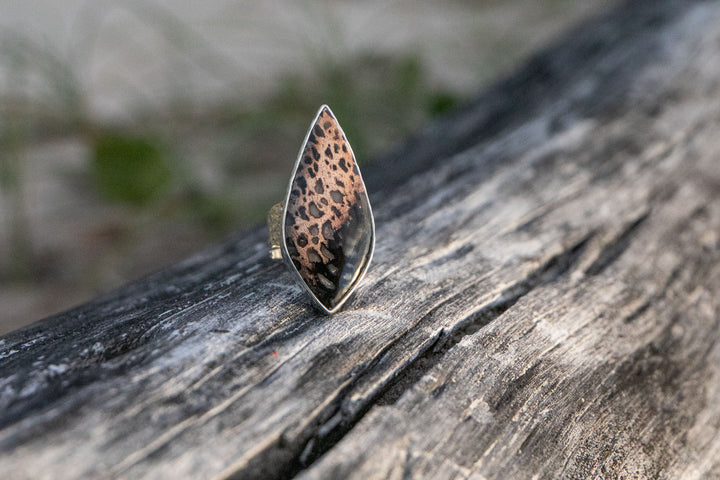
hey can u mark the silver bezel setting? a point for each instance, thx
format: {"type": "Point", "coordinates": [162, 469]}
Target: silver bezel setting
{"type": "Point", "coordinates": [286, 254]}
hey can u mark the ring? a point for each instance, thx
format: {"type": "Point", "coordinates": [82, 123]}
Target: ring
{"type": "Point", "coordinates": [325, 229]}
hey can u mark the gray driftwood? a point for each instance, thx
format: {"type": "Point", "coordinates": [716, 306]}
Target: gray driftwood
{"type": "Point", "coordinates": [544, 302]}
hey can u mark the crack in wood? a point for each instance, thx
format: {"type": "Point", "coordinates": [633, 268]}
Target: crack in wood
{"type": "Point", "coordinates": [616, 247]}
{"type": "Point", "coordinates": [324, 435]}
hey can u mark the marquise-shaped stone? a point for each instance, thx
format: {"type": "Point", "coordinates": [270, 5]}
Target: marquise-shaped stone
{"type": "Point", "coordinates": [328, 228]}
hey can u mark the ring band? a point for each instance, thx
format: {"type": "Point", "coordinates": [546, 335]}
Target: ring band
{"type": "Point", "coordinates": [274, 219]}
{"type": "Point", "coordinates": [325, 229]}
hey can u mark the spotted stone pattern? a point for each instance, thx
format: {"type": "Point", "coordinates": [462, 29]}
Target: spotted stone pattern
{"type": "Point", "coordinates": [328, 227]}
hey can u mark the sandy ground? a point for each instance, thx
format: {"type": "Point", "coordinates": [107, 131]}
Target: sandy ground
{"type": "Point", "coordinates": [126, 58]}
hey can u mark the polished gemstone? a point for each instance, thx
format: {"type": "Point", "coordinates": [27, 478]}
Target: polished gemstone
{"type": "Point", "coordinates": [328, 228]}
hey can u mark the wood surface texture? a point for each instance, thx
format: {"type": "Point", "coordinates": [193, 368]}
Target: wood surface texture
{"type": "Point", "coordinates": [543, 303]}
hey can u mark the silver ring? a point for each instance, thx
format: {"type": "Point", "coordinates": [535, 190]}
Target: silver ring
{"type": "Point", "coordinates": [325, 229]}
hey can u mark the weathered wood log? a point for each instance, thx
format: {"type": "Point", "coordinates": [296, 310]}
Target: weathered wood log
{"type": "Point", "coordinates": [543, 303]}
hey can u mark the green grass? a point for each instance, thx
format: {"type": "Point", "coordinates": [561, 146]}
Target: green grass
{"type": "Point", "coordinates": [130, 169]}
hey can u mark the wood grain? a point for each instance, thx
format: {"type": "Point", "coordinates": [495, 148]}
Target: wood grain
{"type": "Point", "coordinates": [543, 303]}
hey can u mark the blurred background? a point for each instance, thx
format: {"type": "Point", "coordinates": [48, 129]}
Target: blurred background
{"type": "Point", "coordinates": [134, 133]}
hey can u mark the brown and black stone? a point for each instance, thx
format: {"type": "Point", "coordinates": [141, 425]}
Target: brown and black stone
{"type": "Point", "coordinates": [328, 227]}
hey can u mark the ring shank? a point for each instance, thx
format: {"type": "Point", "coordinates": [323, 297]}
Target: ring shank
{"type": "Point", "coordinates": [274, 225]}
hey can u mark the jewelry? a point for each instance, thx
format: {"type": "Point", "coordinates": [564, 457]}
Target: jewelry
{"type": "Point", "coordinates": [325, 229]}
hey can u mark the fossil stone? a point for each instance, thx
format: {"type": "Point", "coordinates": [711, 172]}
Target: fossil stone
{"type": "Point", "coordinates": [328, 228]}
